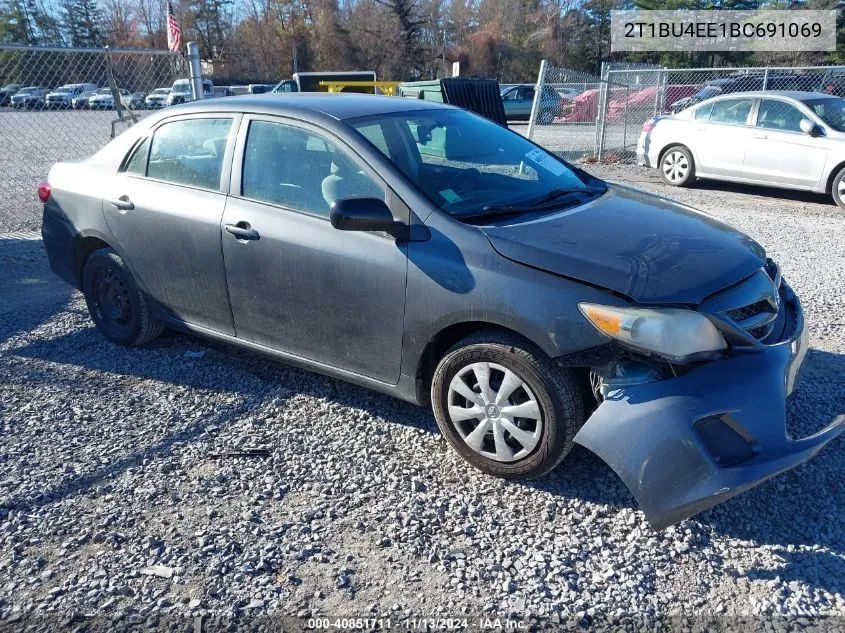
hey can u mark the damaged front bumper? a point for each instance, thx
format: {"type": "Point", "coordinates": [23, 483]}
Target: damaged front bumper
{"type": "Point", "coordinates": [684, 444]}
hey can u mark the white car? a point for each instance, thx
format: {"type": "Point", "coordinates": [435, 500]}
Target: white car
{"type": "Point", "coordinates": [793, 140]}
{"type": "Point", "coordinates": [157, 98]}
{"type": "Point", "coordinates": [103, 99]}
{"type": "Point", "coordinates": [182, 92]}
{"type": "Point", "coordinates": [63, 96]}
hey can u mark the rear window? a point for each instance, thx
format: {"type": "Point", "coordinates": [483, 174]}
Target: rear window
{"type": "Point", "coordinates": [189, 152]}
{"type": "Point", "coordinates": [703, 113]}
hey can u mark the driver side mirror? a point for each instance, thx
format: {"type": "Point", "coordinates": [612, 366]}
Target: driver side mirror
{"type": "Point", "coordinates": [808, 127]}
{"type": "Point", "coordinates": [361, 214]}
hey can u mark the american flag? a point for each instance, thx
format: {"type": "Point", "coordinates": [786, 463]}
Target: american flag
{"type": "Point", "coordinates": [174, 33]}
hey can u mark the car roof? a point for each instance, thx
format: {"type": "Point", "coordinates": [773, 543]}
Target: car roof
{"type": "Point", "coordinates": [337, 106]}
{"type": "Point", "coordinates": [789, 94]}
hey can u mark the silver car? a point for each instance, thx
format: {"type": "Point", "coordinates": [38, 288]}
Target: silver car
{"type": "Point", "coordinates": [793, 140]}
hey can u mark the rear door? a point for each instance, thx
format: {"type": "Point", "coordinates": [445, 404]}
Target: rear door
{"type": "Point", "coordinates": [779, 152]}
{"type": "Point", "coordinates": [165, 208]}
{"type": "Point", "coordinates": [722, 130]}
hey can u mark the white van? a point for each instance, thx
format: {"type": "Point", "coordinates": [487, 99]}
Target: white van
{"type": "Point", "coordinates": [181, 91]}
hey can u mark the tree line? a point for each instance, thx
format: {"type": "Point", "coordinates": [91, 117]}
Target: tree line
{"type": "Point", "coordinates": [268, 40]}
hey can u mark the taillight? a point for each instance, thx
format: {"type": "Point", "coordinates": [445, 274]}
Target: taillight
{"type": "Point", "coordinates": [648, 126]}
{"type": "Point", "coordinates": [44, 191]}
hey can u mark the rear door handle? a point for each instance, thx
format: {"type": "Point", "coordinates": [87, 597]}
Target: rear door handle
{"type": "Point", "coordinates": [759, 136]}
{"type": "Point", "coordinates": [242, 231]}
{"type": "Point", "coordinates": [122, 203]}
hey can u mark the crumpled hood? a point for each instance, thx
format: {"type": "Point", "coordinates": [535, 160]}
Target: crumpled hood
{"type": "Point", "coordinates": [645, 247]}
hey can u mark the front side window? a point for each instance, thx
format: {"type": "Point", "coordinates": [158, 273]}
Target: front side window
{"type": "Point", "coordinates": [829, 110]}
{"type": "Point", "coordinates": [300, 170]}
{"type": "Point", "coordinates": [731, 111]}
{"type": "Point", "coordinates": [779, 115]}
{"type": "Point", "coordinates": [189, 152]}
{"type": "Point", "coordinates": [467, 164]}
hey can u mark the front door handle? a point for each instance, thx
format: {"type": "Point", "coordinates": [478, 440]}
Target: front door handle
{"type": "Point", "coordinates": [242, 231]}
{"type": "Point", "coordinates": [122, 203]}
{"type": "Point", "coordinates": [758, 135]}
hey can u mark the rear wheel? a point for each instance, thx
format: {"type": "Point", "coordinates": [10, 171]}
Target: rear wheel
{"type": "Point", "coordinates": [677, 167]}
{"type": "Point", "coordinates": [837, 188]}
{"type": "Point", "coordinates": [505, 406]}
{"type": "Point", "coordinates": [115, 302]}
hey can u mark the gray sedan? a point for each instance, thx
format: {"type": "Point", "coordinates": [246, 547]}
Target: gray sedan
{"type": "Point", "coordinates": [793, 140]}
{"type": "Point", "coordinates": [431, 254]}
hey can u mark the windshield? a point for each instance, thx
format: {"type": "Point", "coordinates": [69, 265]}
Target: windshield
{"type": "Point", "coordinates": [831, 111]}
{"type": "Point", "coordinates": [64, 90]}
{"type": "Point", "coordinates": [467, 164]}
{"type": "Point", "coordinates": [10, 87]}
{"type": "Point", "coordinates": [181, 88]}
{"type": "Point", "coordinates": [104, 91]}
{"type": "Point", "coordinates": [161, 91]}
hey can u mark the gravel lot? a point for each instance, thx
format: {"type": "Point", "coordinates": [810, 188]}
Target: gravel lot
{"type": "Point", "coordinates": [189, 478]}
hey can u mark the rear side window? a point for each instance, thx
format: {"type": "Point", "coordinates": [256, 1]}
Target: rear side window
{"type": "Point", "coordinates": [731, 111]}
{"type": "Point", "coordinates": [703, 113]}
{"type": "Point", "coordinates": [189, 152]}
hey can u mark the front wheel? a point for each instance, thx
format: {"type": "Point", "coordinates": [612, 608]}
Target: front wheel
{"type": "Point", "coordinates": [115, 302]}
{"type": "Point", "coordinates": [677, 167]}
{"type": "Point", "coordinates": [505, 406]}
{"type": "Point", "coordinates": [837, 188]}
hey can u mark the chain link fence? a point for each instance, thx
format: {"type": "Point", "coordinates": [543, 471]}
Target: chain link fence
{"type": "Point", "coordinates": [617, 104]}
{"type": "Point", "coordinates": [565, 112]}
{"type": "Point", "coordinates": [61, 104]}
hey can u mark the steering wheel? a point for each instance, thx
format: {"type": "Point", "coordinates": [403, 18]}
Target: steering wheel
{"type": "Point", "coordinates": [465, 176]}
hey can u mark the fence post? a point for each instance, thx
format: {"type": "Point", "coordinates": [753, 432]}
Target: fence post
{"type": "Point", "coordinates": [765, 77]}
{"type": "Point", "coordinates": [196, 72]}
{"type": "Point", "coordinates": [604, 88]}
{"type": "Point", "coordinates": [538, 90]}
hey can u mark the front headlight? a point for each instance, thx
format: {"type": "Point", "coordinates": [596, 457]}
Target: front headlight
{"type": "Point", "coordinates": [673, 333]}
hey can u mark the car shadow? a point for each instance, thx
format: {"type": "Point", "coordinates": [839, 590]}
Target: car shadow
{"type": "Point", "coordinates": [763, 191]}
{"type": "Point", "coordinates": [30, 293]}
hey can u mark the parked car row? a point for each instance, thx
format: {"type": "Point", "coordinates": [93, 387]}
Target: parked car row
{"type": "Point", "coordinates": [85, 96]}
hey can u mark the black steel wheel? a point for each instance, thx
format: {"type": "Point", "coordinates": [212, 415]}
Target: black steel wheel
{"type": "Point", "coordinates": [115, 302]}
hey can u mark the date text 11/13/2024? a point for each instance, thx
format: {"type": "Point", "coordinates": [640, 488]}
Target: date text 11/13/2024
{"type": "Point", "coordinates": [416, 624]}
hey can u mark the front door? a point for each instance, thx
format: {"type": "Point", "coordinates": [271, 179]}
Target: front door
{"type": "Point", "coordinates": [779, 152]}
{"type": "Point", "coordinates": [296, 283]}
{"type": "Point", "coordinates": [165, 208]}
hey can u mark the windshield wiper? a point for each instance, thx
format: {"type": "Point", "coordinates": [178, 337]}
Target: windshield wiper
{"type": "Point", "coordinates": [546, 201]}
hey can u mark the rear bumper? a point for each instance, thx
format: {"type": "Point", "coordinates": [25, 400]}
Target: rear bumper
{"type": "Point", "coordinates": [59, 238]}
{"type": "Point", "coordinates": [686, 444]}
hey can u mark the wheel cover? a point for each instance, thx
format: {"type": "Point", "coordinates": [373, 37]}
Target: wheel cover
{"type": "Point", "coordinates": [495, 412]}
{"type": "Point", "coordinates": [675, 166]}
{"type": "Point", "coordinates": [111, 298]}
{"type": "Point", "coordinates": [840, 188]}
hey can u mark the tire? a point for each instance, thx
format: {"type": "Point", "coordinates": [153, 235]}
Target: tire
{"type": "Point", "coordinates": [545, 389]}
{"type": "Point", "coordinates": [677, 168]}
{"type": "Point", "coordinates": [837, 188]}
{"type": "Point", "coordinates": [116, 304]}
